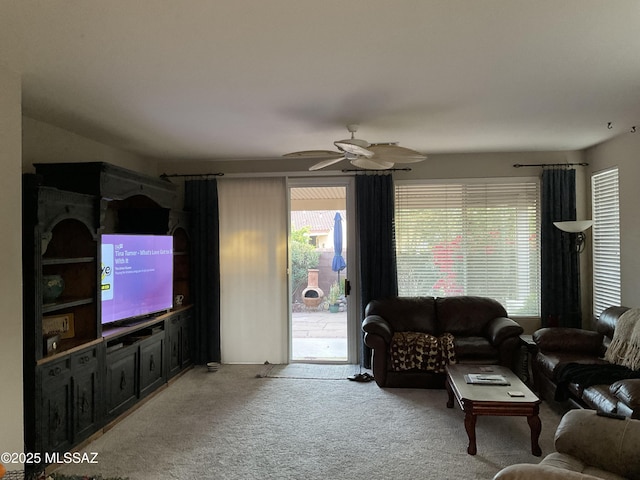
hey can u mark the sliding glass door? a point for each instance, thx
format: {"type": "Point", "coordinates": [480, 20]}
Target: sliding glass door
{"type": "Point", "coordinates": [322, 325]}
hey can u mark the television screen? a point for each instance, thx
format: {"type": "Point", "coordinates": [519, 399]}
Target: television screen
{"type": "Point", "coordinates": [136, 276]}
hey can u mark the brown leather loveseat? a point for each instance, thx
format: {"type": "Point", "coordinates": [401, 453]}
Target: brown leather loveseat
{"type": "Point", "coordinates": [479, 327]}
{"type": "Point", "coordinates": [599, 386]}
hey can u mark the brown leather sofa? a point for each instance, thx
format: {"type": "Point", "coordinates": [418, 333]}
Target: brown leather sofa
{"type": "Point", "coordinates": [482, 334]}
{"type": "Point", "coordinates": [558, 347]}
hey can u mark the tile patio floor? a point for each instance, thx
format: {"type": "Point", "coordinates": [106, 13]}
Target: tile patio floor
{"type": "Point", "coordinates": [319, 336]}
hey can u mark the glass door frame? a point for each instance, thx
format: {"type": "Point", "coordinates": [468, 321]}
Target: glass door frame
{"type": "Point", "coordinates": [351, 257]}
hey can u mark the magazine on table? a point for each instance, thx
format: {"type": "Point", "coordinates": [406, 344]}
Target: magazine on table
{"type": "Point", "coordinates": [486, 379]}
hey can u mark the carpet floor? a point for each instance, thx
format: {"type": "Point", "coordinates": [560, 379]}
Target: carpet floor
{"type": "Point", "coordinates": [238, 424]}
{"type": "Point", "coordinates": [310, 371]}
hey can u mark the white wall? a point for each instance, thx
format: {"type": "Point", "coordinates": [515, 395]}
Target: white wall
{"type": "Point", "coordinates": [11, 404]}
{"type": "Point", "coordinates": [624, 153]}
{"type": "Point", "coordinates": [45, 143]}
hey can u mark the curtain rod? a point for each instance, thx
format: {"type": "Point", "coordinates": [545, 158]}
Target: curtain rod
{"type": "Point", "coordinates": [169, 175]}
{"type": "Point", "coordinates": [328, 173]}
{"type": "Point", "coordinates": [376, 170]}
{"type": "Point", "coordinates": [582, 164]}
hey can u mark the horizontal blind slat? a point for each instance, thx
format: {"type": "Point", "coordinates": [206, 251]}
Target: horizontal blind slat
{"type": "Point", "coordinates": [606, 240]}
{"type": "Point", "coordinates": [480, 239]}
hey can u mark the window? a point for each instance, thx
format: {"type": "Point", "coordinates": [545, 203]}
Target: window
{"type": "Point", "coordinates": [605, 208]}
{"type": "Point", "coordinates": [470, 238]}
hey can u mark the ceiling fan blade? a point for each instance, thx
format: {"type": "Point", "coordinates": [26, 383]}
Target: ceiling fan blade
{"type": "Point", "coordinates": [355, 146]}
{"type": "Point", "coordinates": [315, 153]}
{"type": "Point", "coordinates": [326, 163]}
{"type": "Point", "coordinates": [371, 164]}
{"type": "Point", "coordinates": [394, 153]}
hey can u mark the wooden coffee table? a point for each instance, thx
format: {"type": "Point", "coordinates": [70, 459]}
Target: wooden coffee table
{"type": "Point", "coordinates": [475, 400]}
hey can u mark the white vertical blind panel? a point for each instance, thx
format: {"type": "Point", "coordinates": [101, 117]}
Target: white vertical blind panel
{"type": "Point", "coordinates": [606, 240]}
{"type": "Point", "coordinates": [253, 261]}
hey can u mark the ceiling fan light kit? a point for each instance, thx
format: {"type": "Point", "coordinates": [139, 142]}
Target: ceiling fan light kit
{"type": "Point", "coordinates": [362, 154]}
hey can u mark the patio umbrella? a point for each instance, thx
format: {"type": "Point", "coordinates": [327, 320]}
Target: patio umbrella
{"type": "Point", "coordinates": [338, 264]}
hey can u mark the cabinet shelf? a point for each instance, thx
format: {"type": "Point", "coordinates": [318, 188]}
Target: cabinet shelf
{"type": "Point", "coordinates": [65, 261]}
{"type": "Point", "coordinates": [67, 347]}
{"type": "Point", "coordinates": [65, 303]}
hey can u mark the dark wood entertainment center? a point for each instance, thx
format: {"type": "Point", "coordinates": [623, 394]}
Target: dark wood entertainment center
{"type": "Point", "coordinates": [80, 380]}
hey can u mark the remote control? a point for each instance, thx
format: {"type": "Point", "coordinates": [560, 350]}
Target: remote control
{"type": "Point", "coordinates": [610, 415]}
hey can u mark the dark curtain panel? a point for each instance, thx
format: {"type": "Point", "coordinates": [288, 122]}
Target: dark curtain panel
{"type": "Point", "coordinates": [201, 199]}
{"type": "Point", "coordinates": [560, 272]}
{"type": "Point", "coordinates": [374, 211]}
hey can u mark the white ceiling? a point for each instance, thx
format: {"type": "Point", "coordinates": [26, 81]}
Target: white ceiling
{"type": "Point", "coordinates": [218, 79]}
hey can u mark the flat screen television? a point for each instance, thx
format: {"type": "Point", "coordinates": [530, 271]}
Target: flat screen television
{"type": "Point", "coordinates": [136, 276]}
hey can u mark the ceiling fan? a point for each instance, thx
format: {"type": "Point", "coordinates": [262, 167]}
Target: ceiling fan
{"type": "Point", "coordinates": [362, 154]}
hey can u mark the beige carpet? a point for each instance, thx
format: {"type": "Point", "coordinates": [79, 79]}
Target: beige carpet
{"type": "Point", "coordinates": [311, 371]}
{"type": "Point", "coordinates": [235, 424]}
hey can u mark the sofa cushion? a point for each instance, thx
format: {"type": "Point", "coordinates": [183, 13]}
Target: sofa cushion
{"type": "Point", "coordinates": [627, 391]}
{"type": "Point", "coordinates": [574, 340]}
{"type": "Point", "coordinates": [406, 314]}
{"type": "Point", "coordinates": [475, 349]}
{"type": "Point", "coordinates": [467, 315]}
{"type": "Point", "coordinates": [548, 363]}
{"type": "Point", "coordinates": [608, 319]}
{"type": "Point", "coordinates": [599, 398]}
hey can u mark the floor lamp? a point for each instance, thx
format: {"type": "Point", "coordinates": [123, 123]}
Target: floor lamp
{"type": "Point", "coordinates": [577, 227]}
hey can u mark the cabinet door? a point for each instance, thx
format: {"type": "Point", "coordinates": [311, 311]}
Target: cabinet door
{"type": "Point", "coordinates": [55, 408]}
{"type": "Point", "coordinates": [151, 364]}
{"type": "Point", "coordinates": [86, 385]}
{"type": "Point", "coordinates": [186, 340]}
{"type": "Point", "coordinates": [174, 345]}
{"type": "Point", "coordinates": [122, 379]}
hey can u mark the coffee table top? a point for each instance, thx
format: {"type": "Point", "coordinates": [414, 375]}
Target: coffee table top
{"type": "Point", "coordinates": [488, 393]}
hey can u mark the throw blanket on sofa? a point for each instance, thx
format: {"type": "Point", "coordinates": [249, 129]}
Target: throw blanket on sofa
{"type": "Point", "coordinates": [625, 344]}
{"type": "Point", "coordinates": [586, 375]}
{"type": "Point", "coordinates": [421, 351]}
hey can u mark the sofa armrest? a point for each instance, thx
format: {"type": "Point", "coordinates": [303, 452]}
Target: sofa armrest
{"type": "Point", "coordinates": [502, 328]}
{"type": "Point", "coordinates": [574, 340]}
{"type": "Point", "coordinates": [527, 471]}
{"type": "Point", "coordinates": [628, 392]}
{"type": "Point", "coordinates": [376, 325]}
{"type": "Point", "coordinates": [607, 443]}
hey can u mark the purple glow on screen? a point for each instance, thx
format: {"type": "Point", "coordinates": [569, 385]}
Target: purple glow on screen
{"type": "Point", "coordinates": [137, 275]}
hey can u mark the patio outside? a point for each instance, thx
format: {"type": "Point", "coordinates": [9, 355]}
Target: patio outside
{"type": "Point", "coordinates": [319, 336]}
{"type": "Point", "coordinates": [318, 306]}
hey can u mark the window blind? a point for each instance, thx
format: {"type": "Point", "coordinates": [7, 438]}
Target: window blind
{"type": "Point", "coordinates": [470, 238]}
{"type": "Point", "coordinates": [253, 270]}
{"type": "Point", "coordinates": [606, 240]}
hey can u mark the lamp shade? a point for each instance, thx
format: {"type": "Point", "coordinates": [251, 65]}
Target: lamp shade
{"type": "Point", "coordinates": [575, 226]}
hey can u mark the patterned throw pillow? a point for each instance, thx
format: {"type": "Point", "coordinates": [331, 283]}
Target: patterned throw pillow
{"type": "Point", "coordinates": [421, 351]}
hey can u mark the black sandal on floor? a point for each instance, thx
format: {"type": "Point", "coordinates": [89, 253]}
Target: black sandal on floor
{"type": "Point", "coordinates": [361, 377]}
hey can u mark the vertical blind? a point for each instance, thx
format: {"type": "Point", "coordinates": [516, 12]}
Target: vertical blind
{"type": "Point", "coordinates": [253, 275]}
{"type": "Point", "coordinates": [470, 238]}
{"type": "Point", "coordinates": [606, 240]}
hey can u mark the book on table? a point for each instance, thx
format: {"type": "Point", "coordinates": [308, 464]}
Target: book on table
{"type": "Point", "coordinates": [486, 379]}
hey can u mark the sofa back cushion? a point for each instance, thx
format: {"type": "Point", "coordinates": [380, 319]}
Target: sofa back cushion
{"type": "Point", "coordinates": [406, 314]}
{"type": "Point", "coordinates": [607, 321]}
{"type": "Point", "coordinates": [467, 315]}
